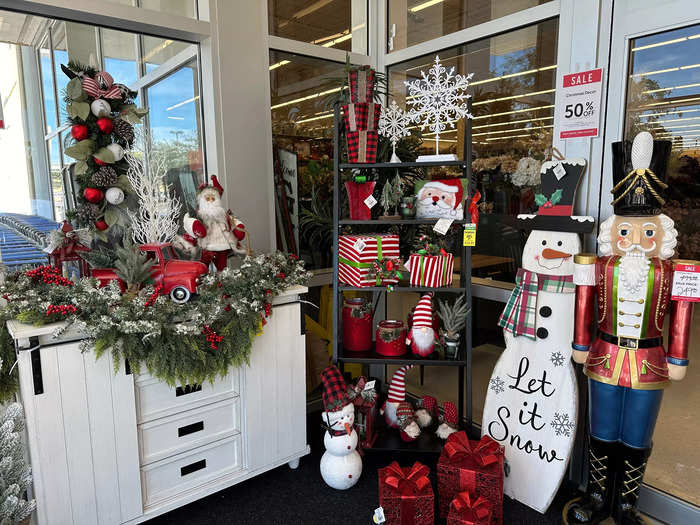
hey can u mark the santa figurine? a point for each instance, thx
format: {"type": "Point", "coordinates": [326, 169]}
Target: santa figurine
{"type": "Point", "coordinates": [397, 395]}
{"type": "Point", "coordinates": [440, 198]}
{"type": "Point", "coordinates": [217, 232]}
{"type": "Point", "coordinates": [421, 337]}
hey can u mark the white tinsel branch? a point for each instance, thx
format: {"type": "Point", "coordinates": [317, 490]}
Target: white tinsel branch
{"type": "Point", "coordinates": [157, 218]}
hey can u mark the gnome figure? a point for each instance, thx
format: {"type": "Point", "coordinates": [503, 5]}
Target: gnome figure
{"type": "Point", "coordinates": [341, 464]}
{"type": "Point", "coordinates": [448, 420]}
{"type": "Point", "coordinates": [397, 394]}
{"type": "Point", "coordinates": [407, 422]}
{"type": "Point", "coordinates": [216, 230]}
{"type": "Point", "coordinates": [421, 337]}
{"type": "Point", "coordinates": [427, 411]}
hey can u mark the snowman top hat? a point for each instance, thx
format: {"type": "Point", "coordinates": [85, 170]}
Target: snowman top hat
{"type": "Point", "coordinates": [397, 387]}
{"type": "Point", "coordinates": [560, 179]}
{"type": "Point", "coordinates": [335, 395]}
{"type": "Point", "coordinates": [639, 174]}
{"type": "Point", "coordinates": [423, 313]}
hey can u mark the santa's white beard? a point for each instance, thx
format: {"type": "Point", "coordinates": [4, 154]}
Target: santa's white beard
{"type": "Point", "coordinates": [634, 270]}
{"type": "Point", "coordinates": [423, 417]}
{"type": "Point", "coordinates": [211, 211]}
{"type": "Point", "coordinates": [426, 208]}
{"type": "Point", "coordinates": [423, 339]}
{"type": "Point", "coordinates": [444, 430]}
{"type": "Point", "coordinates": [412, 430]}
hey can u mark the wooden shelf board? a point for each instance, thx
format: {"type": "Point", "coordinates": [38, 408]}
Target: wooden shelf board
{"type": "Point", "coordinates": [416, 289]}
{"type": "Point", "coordinates": [371, 357]}
{"type": "Point", "coordinates": [391, 222]}
{"type": "Point", "coordinates": [399, 165]}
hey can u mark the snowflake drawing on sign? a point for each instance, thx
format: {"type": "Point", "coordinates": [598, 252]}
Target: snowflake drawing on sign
{"type": "Point", "coordinates": [557, 358]}
{"type": "Point", "coordinates": [563, 426]}
{"type": "Point", "coordinates": [497, 384]}
{"type": "Point", "coordinates": [393, 124]}
{"type": "Point", "coordinates": [438, 99]}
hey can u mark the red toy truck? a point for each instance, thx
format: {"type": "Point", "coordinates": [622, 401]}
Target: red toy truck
{"type": "Point", "coordinates": [178, 277]}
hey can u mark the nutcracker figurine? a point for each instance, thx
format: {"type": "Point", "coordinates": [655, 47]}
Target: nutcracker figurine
{"type": "Point", "coordinates": [626, 364]}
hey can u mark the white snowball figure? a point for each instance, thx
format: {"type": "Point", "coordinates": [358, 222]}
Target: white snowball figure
{"type": "Point", "coordinates": [397, 395]}
{"type": "Point", "coordinates": [531, 404]}
{"type": "Point", "coordinates": [341, 464]}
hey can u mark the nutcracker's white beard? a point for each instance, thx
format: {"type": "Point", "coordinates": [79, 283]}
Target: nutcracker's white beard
{"type": "Point", "coordinates": [423, 337]}
{"type": "Point", "coordinates": [634, 271]}
{"type": "Point", "coordinates": [211, 211]}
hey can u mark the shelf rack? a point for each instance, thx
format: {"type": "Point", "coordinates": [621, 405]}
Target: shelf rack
{"type": "Point", "coordinates": [388, 439]}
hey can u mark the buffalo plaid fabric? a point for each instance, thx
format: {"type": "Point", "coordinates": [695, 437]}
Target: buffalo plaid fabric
{"type": "Point", "coordinates": [362, 146]}
{"type": "Point", "coordinates": [361, 83]}
{"type": "Point", "coordinates": [361, 116]}
{"type": "Point", "coordinates": [335, 395]}
{"type": "Point", "coordinates": [519, 315]}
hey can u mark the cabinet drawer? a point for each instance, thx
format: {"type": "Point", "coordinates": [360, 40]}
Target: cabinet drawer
{"type": "Point", "coordinates": [172, 476]}
{"type": "Point", "coordinates": [155, 398]}
{"type": "Point", "coordinates": [171, 435]}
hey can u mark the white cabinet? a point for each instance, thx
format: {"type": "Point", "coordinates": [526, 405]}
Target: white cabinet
{"type": "Point", "coordinates": [112, 447]}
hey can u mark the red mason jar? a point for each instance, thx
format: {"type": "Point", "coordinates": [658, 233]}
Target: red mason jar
{"type": "Point", "coordinates": [391, 338]}
{"type": "Point", "coordinates": [357, 325]}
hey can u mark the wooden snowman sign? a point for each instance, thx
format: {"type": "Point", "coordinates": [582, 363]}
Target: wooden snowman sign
{"type": "Point", "coordinates": [531, 404]}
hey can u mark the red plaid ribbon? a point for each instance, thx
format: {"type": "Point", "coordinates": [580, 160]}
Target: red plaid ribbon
{"type": "Point", "coordinates": [362, 146]}
{"type": "Point", "coordinates": [361, 116]}
{"type": "Point", "coordinates": [361, 83]}
{"type": "Point", "coordinates": [472, 510]}
{"type": "Point", "coordinates": [92, 87]}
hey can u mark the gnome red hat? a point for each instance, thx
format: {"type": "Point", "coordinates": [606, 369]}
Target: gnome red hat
{"type": "Point", "coordinates": [335, 395]}
{"type": "Point", "coordinates": [448, 186]}
{"type": "Point", "coordinates": [449, 420]}
{"type": "Point", "coordinates": [423, 314]}
{"type": "Point", "coordinates": [397, 387]}
{"type": "Point", "coordinates": [214, 185]}
{"type": "Point", "coordinates": [427, 411]}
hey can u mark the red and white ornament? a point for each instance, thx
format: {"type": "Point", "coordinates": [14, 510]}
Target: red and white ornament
{"type": "Point", "coordinates": [105, 124]}
{"type": "Point", "coordinates": [79, 132]}
{"type": "Point", "coordinates": [93, 195]}
{"type": "Point", "coordinates": [114, 196]}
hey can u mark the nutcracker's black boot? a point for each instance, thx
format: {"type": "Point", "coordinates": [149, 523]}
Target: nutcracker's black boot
{"type": "Point", "coordinates": [630, 473]}
{"type": "Point", "coordinates": [596, 504]}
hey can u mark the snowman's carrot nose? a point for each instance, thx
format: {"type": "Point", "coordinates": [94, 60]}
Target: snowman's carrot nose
{"type": "Point", "coordinates": [548, 253]}
{"type": "Point", "coordinates": [348, 428]}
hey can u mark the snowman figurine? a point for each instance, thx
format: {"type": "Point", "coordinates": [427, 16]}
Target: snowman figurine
{"type": "Point", "coordinates": [341, 464]}
{"type": "Point", "coordinates": [531, 404]}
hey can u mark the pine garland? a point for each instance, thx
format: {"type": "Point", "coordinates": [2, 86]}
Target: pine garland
{"type": "Point", "coordinates": [178, 343]}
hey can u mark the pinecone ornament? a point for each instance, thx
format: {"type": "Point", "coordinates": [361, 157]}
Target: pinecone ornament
{"type": "Point", "coordinates": [105, 176]}
{"type": "Point", "coordinates": [86, 213]}
{"type": "Point", "coordinates": [124, 130]}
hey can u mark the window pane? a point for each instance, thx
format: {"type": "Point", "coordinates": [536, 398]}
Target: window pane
{"type": "Point", "coordinates": [158, 50]}
{"type": "Point", "coordinates": [119, 51]}
{"type": "Point", "coordinates": [340, 24]}
{"type": "Point", "coordinates": [175, 7]}
{"type": "Point", "coordinates": [513, 97]}
{"type": "Point", "coordinates": [59, 206]}
{"type": "Point", "coordinates": [303, 127]}
{"type": "Point", "coordinates": [60, 56]}
{"type": "Point", "coordinates": [47, 88]}
{"type": "Point", "coordinates": [174, 118]}
{"type": "Point", "coordinates": [415, 21]}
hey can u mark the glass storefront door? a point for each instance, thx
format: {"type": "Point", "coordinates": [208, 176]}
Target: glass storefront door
{"type": "Point", "coordinates": [655, 87]}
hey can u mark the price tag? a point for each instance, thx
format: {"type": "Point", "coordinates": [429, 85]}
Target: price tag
{"type": "Point", "coordinates": [686, 282]}
{"type": "Point", "coordinates": [469, 234]}
{"type": "Point", "coordinates": [559, 171]}
{"type": "Point", "coordinates": [369, 385]}
{"type": "Point", "coordinates": [379, 515]}
{"type": "Point", "coordinates": [370, 201]}
{"type": "Point", "coordinates": [359, 245]}
{"type": "Point", "coordinates": [442, 225]}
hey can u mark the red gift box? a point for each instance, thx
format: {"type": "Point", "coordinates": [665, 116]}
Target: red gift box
{"type": "Point", "coordinates": [406, 495]}
{"type": "Point", "coordinates": [361, 116]}
{"type": "Point", "coordinates": [362, 146]}
{"type": "Point", "coordinates": [474, 466]}
{"type": "Point", "coordinates": [467, 510]}
{"type": "Point", "coordinates": [431, 270]}
{"type": "Point", "coordinates": [355, 265]}
{"type": "Point", "coordinates": [361, 83]}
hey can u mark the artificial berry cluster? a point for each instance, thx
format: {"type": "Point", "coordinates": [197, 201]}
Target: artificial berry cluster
{"type": "Point", "coordinates": [268, 309]}
{"type": "Point", "coordinates": [281, 275]}
{"type": "Point", "coordinates": [48, 275]}
{"type": "Point", "coordinates": [212, 337]}
{"type": "Point", "coordinates": [152, 299]}
{"type": "Point", "coordinates": [63, 309]}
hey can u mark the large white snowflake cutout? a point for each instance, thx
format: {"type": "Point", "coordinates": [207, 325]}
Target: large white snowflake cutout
{"type": "Point", "coordinates": [393, 124]}
{"type": "Point", "coordinates": [438, 99]}
{"type": "Point", "coordinates": [497, 385]}
{"type": "Point", "coordinates": [563, 426]}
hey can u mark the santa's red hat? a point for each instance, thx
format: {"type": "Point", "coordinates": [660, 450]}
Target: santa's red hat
{"type": "Point", "coordinates": [429, 403]}
{"type": "Point", "coordinates": [397, 387]}
{"type": "Point", "coordinates": [214, 184]}
{"type": "Point", "coordinates": [449, 186]}
{"type": "Point", "coordinates": [423, 314]}
{"type": "Point", "coordinates": [449, 411]}
{"type": "Point", "coordinates": [335, 395]}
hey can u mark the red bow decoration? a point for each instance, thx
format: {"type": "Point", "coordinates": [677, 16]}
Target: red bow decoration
{"type": "Point", "coordinates": [407, 480]}
{"type": "Point", "coordinates": [486, 452]}
{"type": "Point", "coordinates": [92, 86]}
{"type": "Point", "coordinates": [473, 208]}
{"type": "Point", "coordinates": [467, 507]}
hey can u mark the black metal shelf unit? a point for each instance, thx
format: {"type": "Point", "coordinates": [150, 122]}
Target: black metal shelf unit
{"type": "Point", "coordinates": [388, 439]}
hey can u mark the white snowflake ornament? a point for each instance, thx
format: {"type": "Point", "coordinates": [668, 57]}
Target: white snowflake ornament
{"type": "Point", "coordinates": [438, 99]}
{"type": "Point", "coordinates": [393, 124]}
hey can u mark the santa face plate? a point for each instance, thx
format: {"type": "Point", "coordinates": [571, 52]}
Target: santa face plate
{"type": "Point", "coordinates": [440, 199]}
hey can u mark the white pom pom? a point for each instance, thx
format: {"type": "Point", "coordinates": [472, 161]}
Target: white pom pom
{"type": "Point", "coordinates": [100, 108]}
{"type": "Point", "coordinates": [114, 196]}
{"type": "Point", "coordinates": [117, 151]}
{"type": "Point", "coordinates": [642, 148]}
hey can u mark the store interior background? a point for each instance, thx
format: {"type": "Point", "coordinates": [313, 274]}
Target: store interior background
{"type": "Point", "coordinates": [513, 98]}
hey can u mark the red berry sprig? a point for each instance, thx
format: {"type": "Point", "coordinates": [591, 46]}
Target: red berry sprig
{"type": "Point", "coordinates": [62, 309]}
{"type": "Point", "coordinates": [212, 337]}
{"type": "Point", "coordinates": [48, 275]}
{"type": "Point", "coordinates": [152, 298]}
{"type": "Point", "coordinates": [268, 309]}
{"type": "Point", "coordinates": [281, 275]}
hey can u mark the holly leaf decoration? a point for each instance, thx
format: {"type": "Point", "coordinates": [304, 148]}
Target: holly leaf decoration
{"type": "Point", "coordinates": [132, 114]}
{"type": "Point", "coordinates": [81, 167]}
{"type": "Point", "coordinates": [74, 90]}
{"type": "Point", "coordinates": [112, 215]}
{"type": "Point", "coordinates": [104, 155]}
{"type": "Point", "coordinates": [82, 150]}
{"type": "Point", "coordinates": [540, 199]}
{"type": "Point", "coordinates": [556, 196]}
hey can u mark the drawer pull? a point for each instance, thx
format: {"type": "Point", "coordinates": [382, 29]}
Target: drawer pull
{"type": "Point", "coordinates": [193, 467]}
{"type": "Point", "coordinates": [187, 389]}
{"type": "Point", "coordinates": [190, 429]}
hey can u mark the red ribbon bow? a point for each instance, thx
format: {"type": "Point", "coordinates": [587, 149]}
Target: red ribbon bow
{"type": "Point", "coordinates": [92, 87]}
{"type": "Point", "coordinates": [473, 208]}
{"type": "Point", "coordinates": [486, 452]}
{"type": "Point", "coordinates": [407, 480]}
{"type": "Point", "coordinates": [467, 507]}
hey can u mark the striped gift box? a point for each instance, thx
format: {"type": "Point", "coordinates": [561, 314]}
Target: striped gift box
{"type": "Point", "coordinates": [430, 270]}
{"type": "Point", "coordinates": [355, 266]}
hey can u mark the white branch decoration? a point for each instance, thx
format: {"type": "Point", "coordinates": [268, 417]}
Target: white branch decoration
{"type": "Point", "coordinates": [156, 220]}
{"type": "Point", "coordinates": [393, 124]}
{"type": "Point", "coordinates": [438, 99]}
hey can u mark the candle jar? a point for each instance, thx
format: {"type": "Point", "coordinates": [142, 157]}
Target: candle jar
{"type": "Point", "coordinates": [391, 338]}
{"type": "Point", "coordinates": [357, 325]}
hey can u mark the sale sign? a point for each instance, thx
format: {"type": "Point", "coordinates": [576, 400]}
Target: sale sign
{"type": "Point", "coordinates": [686, 281]}
{"type": "Point", "coordinates": [577, 112]}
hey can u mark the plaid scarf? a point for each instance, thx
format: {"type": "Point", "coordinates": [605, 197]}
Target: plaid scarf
{"type": "Point", "coordinates": [520, 312]}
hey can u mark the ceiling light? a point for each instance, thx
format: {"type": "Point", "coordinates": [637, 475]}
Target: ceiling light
{"type": "Point", "coordinates": [182, 103]}
{"type": "Point", "coordinates": [307, 97]}
{"type": "Point", "coordinates": [177, 118]}
{"type": "Point", "coordinates": [509, 137]}
{"type": "Point", "coordinates": [665, 43]}
{"type": "Point", "coordinates": [338, 40]}
{"type": "Point", "coordinates": [671, 102]}
{"type": "Point", "coordinates": [670, 112]}
{"type": "Point", "coordinates": [511, 122]}
{"type": "Point", "coordinates": [684, 86]}
{"type": "Point", "coordinates": [424, 5]}
{"type": "Point", "coordinates": [306, 11]}
{"type": "Point", "coordinates": [510, 130]}
{"type": "Point", "coordinates": [313, 118]}
{"type": "Point", "coordinates": [513, 96]}
{"type": "Point", "coordinates": [279, 64]}
{"type": "Point", "coordinates": [491, 115]}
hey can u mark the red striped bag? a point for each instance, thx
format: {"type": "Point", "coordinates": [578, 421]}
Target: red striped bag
{"type": "Point", "coordinates": [430, 270]}
{"type": "Point", "coordinates": [357, 253]}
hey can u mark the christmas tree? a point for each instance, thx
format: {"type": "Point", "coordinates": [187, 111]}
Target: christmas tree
{"type": "Point", "coordinates": [15, 475]}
